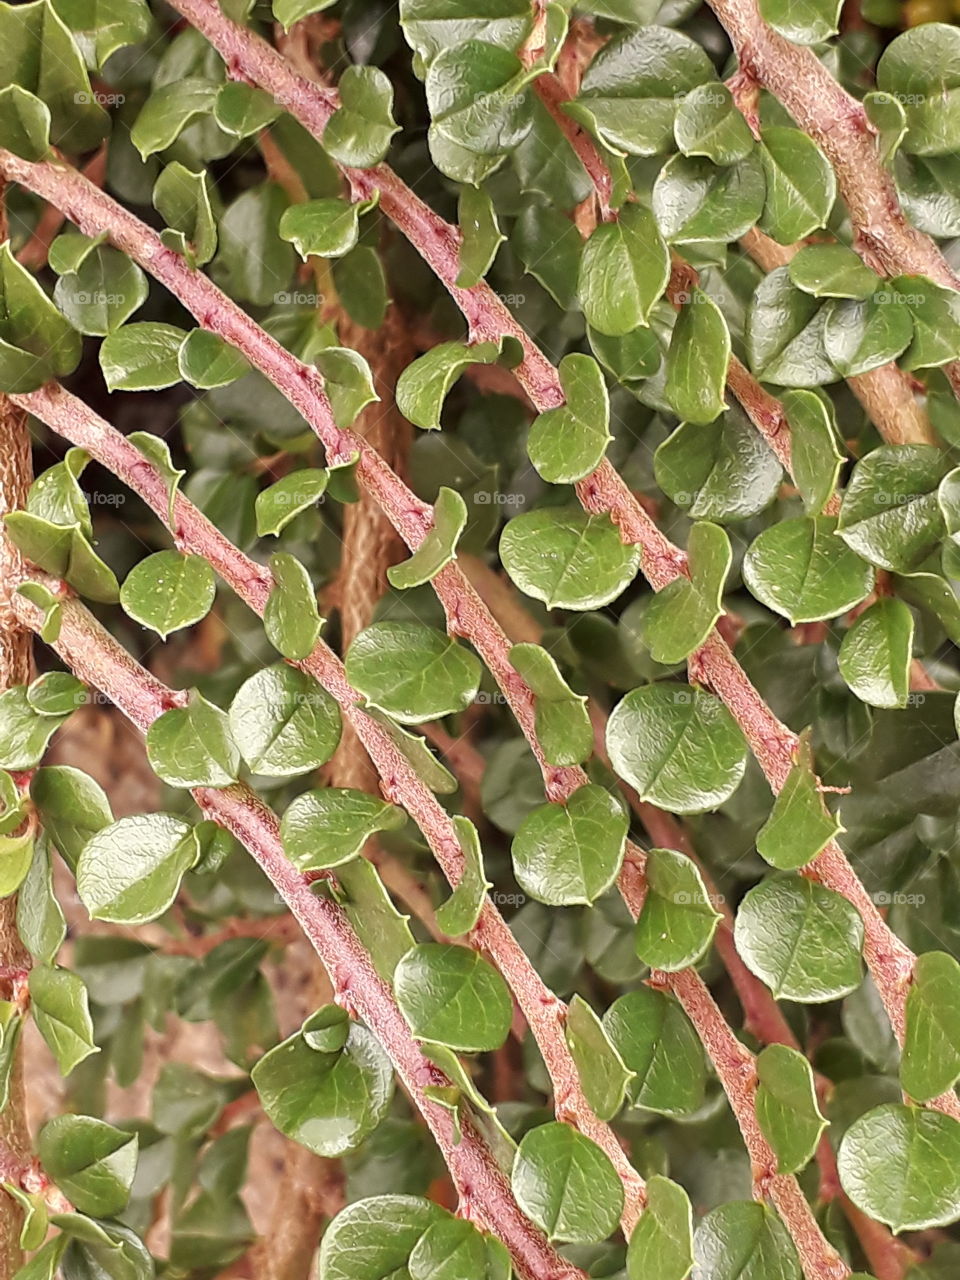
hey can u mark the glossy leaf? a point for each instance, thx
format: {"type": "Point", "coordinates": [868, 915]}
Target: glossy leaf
{"type": "Point", "coordinates": [678, 746]}
{"type": "Point", "coordinates": [801, 569]}
{"type": "Point", "coordinates": [709, 124]}
{"type": "Point", "coordinates": [802, 940]}
{"type": "Point", "coordinates": [567, 558]}
{"type": "Point", "coordinates": [566, 1184]}
{"type": "Point", "coordinates": [130, 871]}
{"type": "Point", "coordinates": [623, 271]}
{"type": "Point", "coordinates": [890, 514]}
{"type": "Point", "coordinates": [876, 652]}
{"type": "Point", "coordinates": [480, 235]}
{"type": "Point", "coordinates": [800, 825]}
{"type": "Point", "coordinates": [680, 617]}
{"type": "Point", "coordinates": [328, 827]}
{"type": "Point", "coordinates": [662, 1241]}
{"type": "Point", "coordinates": [423, 385]}
{"type": "Point", "coordinates": [658, 1044]}
{"type": "Point", "coordinates": [744, 1240]}
{"type": "Point", "coordinates": [677, 921]}
{"type": "Point", "coordinates": [569, 854]}
{"type": "Point", "coordinates": [723, 471]}
{"type": "Point", "coordinates": [36, 342]}
{"type": "Point", "coordinates": [142, 357]}
{"type": "Point", "coordinates": [801, 186]}
{"type": "Point", "coordinates": [931, 1049]}
{"type": "Point", "coordinates": [787, 1108]}
{"type": "Point", "coordinates": [92, 1162]}
{"type": "Point", "coordinates": [567, 443]}
{"type": "Point", "coordinates": [602, 1071]}
{"type": "Point", "coordinates": [283, 722]}
{"type": "Point", "coordinates": [439, 546]}
{"type": "Point", "coordinates": [58, 1002]}
{"type": "Point", "coordinates": [453, 996]}
{"type": "Point", "coordinates": [192, 746]}
{"type": "Point", "coordinates": [291, 618]}
{"type": "Point", "coordinates": [459, 914]}
{"type": "Point", "coordinates": [813, 443]}
{"type": "Point", "coordinates": [412, 672]}
{"type": "Point", "coordinates": [560, 715]}
{"type": "Point", "coordinates": [168, 591]}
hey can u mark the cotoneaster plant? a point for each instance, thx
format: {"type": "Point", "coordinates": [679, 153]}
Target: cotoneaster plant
{"type": "Point", "coordinates": [530, 571]}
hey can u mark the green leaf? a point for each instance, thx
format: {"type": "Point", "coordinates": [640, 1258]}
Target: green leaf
{"type": "Point", "coordinates": [679, 618]}
{"type": "Point", "coordinates": [461, 911]}
{"type": "Point", "coordinates": [291, 618]}
{"type": "Point", "coordinates": [862, 335]}
{"type": "Point", "coordinates": [480, 236]}
{"type": "Point", "coordinates": [24, 123]}
{"type": "Point", "coordinates": [44, 599]}
{"type": "Point", "coordinates": [257, 264]}
{"type": "Point", "coordinates": [802, 940]}
{"type": "Point", "coordinates": [130, 871]}
{"type": "Point", "coordinates": [784, 334]}
{"type": "Point", "coordinates": [931, 1050]}
{"type": "Point", "coordinates": [56, 693]}
{"type": "Point", "coordinates": [142, 357]}
{"type": "Point", "coordinates": [567, 558]}
{"type": "Point", "coordinates": [101, 27]}
{"type": "Point", "coordinates": [744, 1240]}
{"type": "Point", "coordinates": [40, 920]}
{"type": "Point", "coordinates": [569, 854]}
{"type": "Point", "coordinates": [631, 358]}
{"type": "Point", "coordinates": [56, 495]}
{"type": "Point", "coordinates": [11, 1026]}
{"type": "Point", "coordinates": [330, 826]}
{"type": "Point", "coordinates": [632, 89]}
{"type": "Point", "coordinates": [191, 746]}
{"type": "Point", "coordinates": [478, 107]}
{"type": "Point", "coordinates": [902, 1166]}
{"type": "Point", "coordinates": [723, 472]}
{"type": "Point", "coordinates": [876, 651]}
{"type": "Point", "coordinates": [423, 385]}
{"type": "Point", "coordinates": [358, 133]}
{"type": "Point", "coordinates": [373, 1239]}
{"type": "Point", "coordinates": [39, 54]}
{"type": "Point", "coordinates": [91, 1162]}
{"type": "Point", "coordinates": [157, 451]}
{"type": "Point", "coordinates": [800, 825]}
{"type": "Point", "coordinates": [810, 22]}
{"type": "Point", "coordinates": [801, 569]}
{"type": "Point", "coordinates": [561, 718]}
{"type": "Point", "coordinates": [327, 1030]}
{"type": "Point", "coordinates": [327, 228]}
{"type": "Point", "coordinates": [567, 1185]}
{"type": "Point", "coordinates": [602, 1072]}
{"type": "Point", "coordinates": [890, 514]}
{"type": "Point", "coordinates": [439, 546]}
{"type": "Point", "coordinates": [815, 456]}
{"type": "Point", "coordinates": [453, 996]}
{"type": "Point", "coordinates": [801, 186]}
{"type": "Point", "coordinates": [36, 342]}
{"type": "Point", "coordinates": [183, 199]}
{"type": "Point", "coordinates": [72, 808]}
{"type": "Point", "coordinates": [694, 199]}
{"type": "Point", "coordinates": [624, 269]}
{"type": "Point", "coordinates": [349, 384]}
{"type": "Point", "coordinates": [283, 501]}
{"type": "Point", "coordinates": [657, 1042]}
{"type": "Point", "coordinates": [35, 1217]}
{"type": "Point", "coordinates": [662, 1241]}
{"type": "Point", "coordinates": [16, 854]}
{"type": "Point", "coordinates": [361, 285]}
{"type": "Point", "coordinates": [24, 733]}
{"type": "Point", "coordinates": [567, 443]}
{"type": "Point", "coordinates": [412, 672]}
{"type": "Point", "coordinates": [832, 271]}
{"type": "Point", "coordinates": [242, 110]}
{"type": "Point", "coordinates": [206, 361]}
{"type": "Point", "coordinates": [677, 921]}
{"type": "Point", "coordinates": [375, 920]}
{"type": "Point", "coordinates": [65, 552]}
{"type": "Point", "coordinates": [168, 111]}
{"type": "Point", "coordinates": [538, 224]}
{"type": "Point", "coordinates": [58, 1002]}
{"type": "Point", "coordinates": [678, 746]}
{"type": "Point", "coordinates": [787, 1107]}
{"type": "Point", "coordinates": [102, 293]}
{"type": "Point", "coordinates": [328, 1102]}
{"type": "Point", "coordinates": [287, 12]}
{"type": "Point", "coordinates": [709, 124]}
{"type": "Point", "coordinates": [168, 591]}
{"type": "Point", "coordinates": [284, 723]}
{"type": "Point", "coordinates": [921, 70]}
{"type": "Point", "coordinates": [433, 25]}
{"type": "Point", "coordinates": [936, 321]}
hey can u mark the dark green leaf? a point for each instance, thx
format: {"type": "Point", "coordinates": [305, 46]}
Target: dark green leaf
{"type": "Point", "coordinates": [890, 513]}
{"type": "Point", "coordinates": [931, 1049]}
{"type": "Point", "coordinates": [602, 1072]}
{"type": "Point", "coordinates": [662, 1241]}
{"type": "Point", "coordinates": [569, 854]}
{"type": "Point", "coordinates": [58, 1001]}
{"type": "Point", "coordinates": [801, 569]}
{"type": "Point", "coordinates": [677, 921]}
{"type": "Point", "coordinates": [567, 443]}
{"type": "Point", "coordinates": [876, 651]}
{"type": "Point", "coordinates": [328, 827]}
{"type": "Point", "coordinates": [623, 271]}
{"type": "Point", "coordinates": [452, 995]}
{"type": "Point", "coordinates": [130, 871]}
{"type": "Point", "coordinates": [567, 558]}
{"type": "Point", "coordinates": [192, 746]}
{"type": "Point", "coordinates": [680, 617]}
{"type": "Point", "coordinates": [412, 672]}
{"type": "Point", "coordinates": [800, 825]}
{"type": "Point", "coordinates": [787, 1107]}
{"type": "Point", "coordinates": [439, 546]}
{"type": "Point", "coordinates": [284, 723]}
{"type": "Point", "coordinates": [567, 1185]}
{"type": "Point", "coordinates": [291, 618]}
{"type": "Point", "coordinates": [91, 1162]}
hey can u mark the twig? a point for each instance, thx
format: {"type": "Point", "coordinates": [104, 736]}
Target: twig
{"type": "Point", "coordinates": [485, 1196]}
{"type": "Point", "coordinates": [71, 418]}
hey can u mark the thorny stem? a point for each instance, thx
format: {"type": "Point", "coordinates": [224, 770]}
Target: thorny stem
{"type": "Point", "coordinates": [485, 1196]}
{"type": "Point", "coordinates": [72, 419]}
{"type": "Point", "coordinates": [604, 491]}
